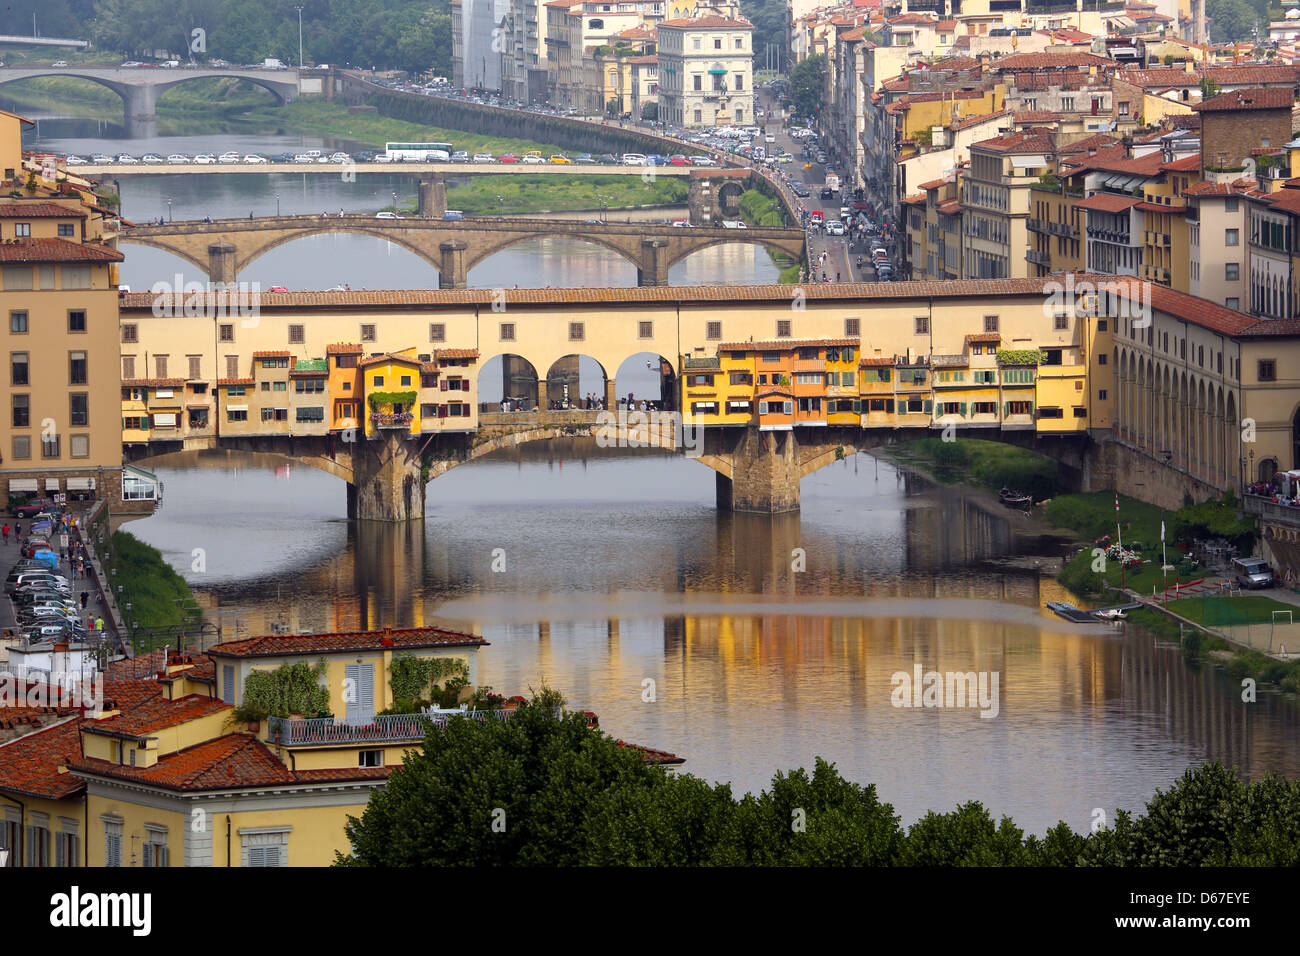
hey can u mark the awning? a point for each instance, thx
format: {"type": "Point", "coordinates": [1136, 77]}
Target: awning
{"type": "Point", "coordinates": [22, 484]}
{"type": "Point", "coordinates": [51, 484]}
{"type": "Point", "coordinates": [236, 408]}
{"type": "Point", "coordinates": [164, 420]}
{"type": "Point", "coordinates": [193, 407]}
{"type": "Point", "coordinates": [1028, 162]}
{"type": "Point", "coordinates": [81, 484]}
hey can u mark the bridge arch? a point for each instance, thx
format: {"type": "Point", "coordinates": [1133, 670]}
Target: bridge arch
{"type": "Point", "coordinates": [140, 98]}
{"type": "Point", "coordinates": [275, 88]}
{"type": "Point", "coordinates": [647, 366]}
{"type": "Point", "coordinates": [325, 453]}
{"type": "Point", "coordinates": [484, 253]}
{"type": "Point", "coordinates": [733, 237]}
{"type": "Point", "coordinates": [518, 381]}
{"type": "Point", "coordinates": [565, 379]}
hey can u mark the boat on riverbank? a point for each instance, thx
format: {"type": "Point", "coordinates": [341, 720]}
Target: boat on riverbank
{"type": "Point", "coordinates": [1016, 499]}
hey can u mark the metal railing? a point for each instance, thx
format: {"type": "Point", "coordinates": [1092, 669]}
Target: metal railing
{"type": "Point", "coordinates": [1273, 510]}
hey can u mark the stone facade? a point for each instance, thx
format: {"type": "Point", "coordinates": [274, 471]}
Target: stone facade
{"type": "Point", "coordinates": [706, 71]}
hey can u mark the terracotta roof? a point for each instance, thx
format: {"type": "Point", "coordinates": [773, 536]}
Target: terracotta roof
{"type": "Point", "coordinates": [785, 345]}
{"type": "Point", "coordinates": [1112, 161]}
{"type": "Point", "coordinates": [1108, 202]}
{"type": "Point", "coordinates": [1049, 61]}
{"type": "Point", "coordinates": [272, 354]}
{"type": "Point", "coordinates": [1034, 116]}
{"type": "Point", "coordinates": [235, 381]}
{"type": "Point", "coordinates": [1272, 98]}
{"type": "Point", "coordinates": [910, 18]}
{"type": "Point", "coordinates": [281, 645]}
{"type": "Point", "coordinates": [708, 21]}
{"type": "Point", "coordinates": [1083, 145]}
{"type": "Point", "coordinates": [932, 184]}
{"type": "Point", "coordinates": [1027, 141]}
{"type": "Point", "coordinates": [153, 383]}
{"type": "Point", "coordinates": [948, 206]}
{"type": "Point", "coordinates": [1181, 305]}
{"type": "Point", "coordinates": [1211, 189]}
{"type": "Point", "coordinates": [157, 714]}
{"type": "Point", "coordinates": [39, 210]}
{"type": "Point", "coordinates": [455, 353]}
{"type": "Point", "coordinates": [56, 250]}
{"type": "Point", "coordinates": [984, 337]}
{"type": "Point", "coordinates": [388, 357]}
{"type": "Point", "coordinates": [1156, 207]}
{"type": "Point", "coordinates": [232, 762]}
{"type": "Point", "coordinates": [1188, 164]}
{"type": "Point", "coordinates": [30, 764]}
{"type": "Point", "coordinates": [1270, 327]}
{"type": "Point", "coordinates": [916, 200]}
{"type": "Point", "coordinates": [872, 362]}
{"type": "Point", "coordinates": [341, 348]}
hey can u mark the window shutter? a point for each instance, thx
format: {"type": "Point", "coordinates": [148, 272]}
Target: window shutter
{"type": "Point", "coordinates": [1006, 409]}
{"type": "Point", "coordinates": [884, 374]}
{"type": "Point", "coordinates": [228, 683]}
{"type": "Point", "coordinates": [31, 845]}
{"type": "Point", "coordinates": [857, 405]}
{"type": "Point", "coordinates": [442, 409]}
{"type": "Point", "coordinates": [929, 405]}
{"type": "Point", "coordinates": [60, 847]}
{"type": "Point", "coordinates": [443, 385]}
{"type": "Point", "coordinates": [257, 855]}
{"type": "Point", "coordinates": [962, 406]}
{"type": "Point", "coordinates": [1031, 408]}
{"type": "Point", "coordinates": [272, 856]}
{"type": "Point", "coordinates": [889, 405]}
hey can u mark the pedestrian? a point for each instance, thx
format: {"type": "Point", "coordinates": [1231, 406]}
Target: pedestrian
{"type": "Point", "coordinates": [6, 532]}
{"type": "Point", "coordinates": [837, 277]}
{"type": "Point", "coordinates": [85, 599]}
{"type": "Point", "coordinates": [99, 624]}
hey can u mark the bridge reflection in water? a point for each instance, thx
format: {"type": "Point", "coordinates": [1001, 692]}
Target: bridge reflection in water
{"type": "Point", "coordinates": [617, 569]}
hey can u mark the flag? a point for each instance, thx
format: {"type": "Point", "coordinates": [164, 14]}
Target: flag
{"type": "Point", "coordinates": [1162, 528]}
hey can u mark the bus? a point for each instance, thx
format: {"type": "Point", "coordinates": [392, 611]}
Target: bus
{"type": "Point", "coordinates": [418, 152]}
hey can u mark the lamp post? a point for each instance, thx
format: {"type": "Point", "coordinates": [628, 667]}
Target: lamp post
{"type": "Point", "coordinates": [394, 201]}
{"type": "Point", "coordinates": [169, 209]}
{"type": "Point", "coordinates": [299, 9]}
{"type": "Point", "coordinates": [277, 205]}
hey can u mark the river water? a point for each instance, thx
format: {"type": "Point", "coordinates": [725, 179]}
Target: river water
{"type": "Point", "coordinates": [684, 628]}
{"type": "Point", "coordinates": [618, 570]}
{"type": "Point", "coordinates": [321, 262]}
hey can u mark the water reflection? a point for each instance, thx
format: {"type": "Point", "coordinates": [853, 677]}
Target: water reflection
{"type": "Point", "coordinates": [619, 569]}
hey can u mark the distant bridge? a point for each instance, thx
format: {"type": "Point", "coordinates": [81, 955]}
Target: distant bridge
{"type": "Point", "coordinates": [140, 88]}
{"type": "Point", "coordinates": [11, 40]}
{"type": "Point", "coordinates": [226, 246]}
{"type": "Point", "coordinates": [118, 170]}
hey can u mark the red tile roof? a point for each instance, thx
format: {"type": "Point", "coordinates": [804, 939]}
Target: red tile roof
{"type": "Point", "coordinates": [1273, 98]}
{"type": "Point", "coordinates": [1188, 164]}
{"type": "Point", "coordinates": [272, 354]}
{"type": "Point", "coordinates": [984, 337]}
{"type": "Point", "coordinates": [1026, 141]}
{"type": "Point", "coordinates": [1211, 189]}
{"type": "Point", "coordinates": [30, 764]}
{"type": "Point", "coordinates": [1035, 116]}
{"type": "Point", "coordinates": [388, 357]}
{"type": "Point", "coordinates": [157, 714]}
{"type": "Point", "coordinates": [153, 382]}
{"type": "Point", "coordinates": [785, 345]}
{"type": "Point", "coordinates": [455, 353]}
{"type": "Point", "coordinates": [1049, 61]}
{"type": "Point", "coordinates": [56, 250]}
{"type": "Point", "coordinates": [39, 210]}
{"type": "Point", "coordinates": [232, 762]}
{"type": "Point", "coordinates": [293, 644]}
{"type": "Point", "coordinates": [341, 348]}
{"type": "Point", "coordinates": [1108, 202]}
{"type": "Point", "coordinates": [235, 381]}
{"type": "Point", "coordinates": [708, 21]}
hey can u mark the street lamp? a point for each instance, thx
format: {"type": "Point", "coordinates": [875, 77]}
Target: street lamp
{"type": "Point", "coordinates": [277, 205]}
{"type": "Point", "coordinates": [299, 9]}
{"type": "Point", "coordinates": [394, 201]}
{"type": "Point", "coordinates": [169, 208]}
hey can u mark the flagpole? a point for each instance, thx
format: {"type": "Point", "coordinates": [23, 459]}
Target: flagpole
{"type": "Point", "coordinates": [1164, 564]}
{"type": "Point", "coordinates": [1119, 541]}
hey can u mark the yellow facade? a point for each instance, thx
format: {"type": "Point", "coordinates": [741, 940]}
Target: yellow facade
{"type": "Point", "coordinates": [391, 389]}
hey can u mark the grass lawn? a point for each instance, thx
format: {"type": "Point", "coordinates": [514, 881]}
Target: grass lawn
{"type": "Point", "coordinates": [1230, 611]}
{"type": "Point", "coordinates": [490, 195]}
{"type": "Point", "coordinates": [988, 463]}
{"type": "Point", "coordinates": [1092, 515]}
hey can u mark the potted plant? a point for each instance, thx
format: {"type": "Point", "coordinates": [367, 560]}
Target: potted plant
{"type": "Point", "coordinates": [250, 715]}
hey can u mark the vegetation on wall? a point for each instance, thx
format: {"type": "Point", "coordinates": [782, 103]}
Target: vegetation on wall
{"type": "Point", "coordinates": [413, 678]}
{"type": "Point", "coordinates": [289, 689]}
{"type": "Point", "coordinates": [1021, 356]}
{"type": "Point", "coordinates": [159, 597]}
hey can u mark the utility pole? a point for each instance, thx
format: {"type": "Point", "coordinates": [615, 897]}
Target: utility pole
{"type": "Point", "coordinates": [299, 9]}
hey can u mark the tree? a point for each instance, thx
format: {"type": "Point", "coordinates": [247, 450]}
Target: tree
{"type": "Point", "coordinates": [771, 28]}
{"type": "Point", "coordinates": [807, 85]}
{"type": "Point", "coordinates": [1233, 19]}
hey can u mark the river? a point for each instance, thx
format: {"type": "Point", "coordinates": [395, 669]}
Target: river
{"type": "Point", "coordinates": [619, 570]}
{"type": "Point", "coordinates": [321, 262]}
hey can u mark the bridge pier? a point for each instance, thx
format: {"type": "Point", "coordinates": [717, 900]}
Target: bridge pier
{"type": "Point", "coordinates": [139, 102]}
{"type": "Point", "coordinates": [221, 263]}
{"type": "Point", "coordinates": [765, 474]}
{"type": "Point", "coordinates": [387, 479]}
{"type": "Point", "coordinates": [654, 271]}
{"type": "Point", "coordinates": [453, 274]}
{"type": "Point", "coordinates": [700, 201]}
{"type": "Point", "coordinates": [432, 198]}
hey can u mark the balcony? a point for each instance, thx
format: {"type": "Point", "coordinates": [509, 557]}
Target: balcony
{"type": "Point", "coordinates": [323, 731]}
{"type": "Point", "coordinates": [1038, 258]}
{"type": "Point", "coordinates": [391, 419]}
{"type": "Point", "coordinates": [1271, 509]}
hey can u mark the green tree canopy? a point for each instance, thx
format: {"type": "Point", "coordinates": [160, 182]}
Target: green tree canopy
{"type": "Point", "coordinates": [806, 86]}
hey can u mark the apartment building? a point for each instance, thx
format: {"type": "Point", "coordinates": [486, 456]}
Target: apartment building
{"type": "Point", "coordinates": [706, 71]}
{"type": "Point", "coordinates": [59, 299]}
{"type": "Point", "coordinates": [996, 201]}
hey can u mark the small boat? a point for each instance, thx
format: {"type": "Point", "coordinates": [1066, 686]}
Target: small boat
{"type": "Point", "coordinates": [1016, 499]}
{"type": "Point", "coordinates": [1109, 614]}
{"type": "Point", "coordinates": [1070, 613]}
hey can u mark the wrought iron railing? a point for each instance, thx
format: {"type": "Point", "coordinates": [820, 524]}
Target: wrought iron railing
{"type": "Point", "coordinates": [310, 731]}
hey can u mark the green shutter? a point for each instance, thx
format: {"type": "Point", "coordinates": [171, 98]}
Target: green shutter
{"type": "Point", "coordinates": [963, 409]}
{"type": "Point", "coordinates": [889, 405]}
{"type": "Point", "coordinates": [1006, 409]}
{"type": "Point", "coordinates": [929, 405]}
{"type": "Point", "coordinates": [857, 405]}
{"type": "Point", "coordinates": [1031, 409]}
{"type": "Point", "coordinates": [884, 375]}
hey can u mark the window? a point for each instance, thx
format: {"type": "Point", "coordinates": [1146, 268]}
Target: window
{"type": "Point", "coordinates": [22, 411]}
{"type": "Point", "coordinates": [1101, 325]}
{"type": "Point", "coordinates": [295, 335]}
{"type": "Point", "coordinates": [22, 229]}
{"type": "Point", "coordinates": [1050, 413]}
{"type": "Point", "coordinates": [76, 320]}
{"type": "Point", "coordinates": [17, 368]}
{"type": "Point", "coordinates": [699, 114]}
{"type": "Point", "coordinates": [697, 82]}
{"type": "Point", "coordinates": [226, 334]}
{"type": "Point", "coordinates": [922, 325]}
{"type": "Point", "coordinates": [18, 320]}
{"type": "Point", "coordinates": [79, 409]}
{"type": "Point", "coordinates": [18, 278]}
{"type": "Point", "coordinates": [770, 358]}
{"type": "Point", "coordinates": [264, 846]}
{"type": "Point", "coordinates": [1061, 321]}
{"type": "Point", "coordinates": [990, 323]}
{"type": "Point", "coordinates": [1101, 358]}
{"type": "Point", "coordinates": [717, 43]}
{"type": "Point", "coordinates": [67, 844]}
{"type": "Point", "coordinates": [437, 332]}
{"type": "Point", "coordinates": [49, 446]}
{"type": "Point", "coordinates": [370, 758]}
{"type": "Point", "coordinates": [577, 331]}
{"type": "Point", "coordinates": [1101, 395]}
{"type": "Point", "coordinates": [160, 365]}
{"type": "Point", "coordinates": [346, 361]}
{"type": "Point", "coordinates": [195, 363]}
{"type": "Point", "coordinates": [315, 413]}
{"type": "Point", "coordinates": [112, 841]}
{"type": "Point", "coordinates": [76, 368]}
{"type": "Point", "coordinates": [155, 852]}
{"type": "Point", "coordinates": [1232, 302]}
{"type": "Point", "coordinates": [367, 333]}
{"type": "Point", "coordinates": [22, 446]}
{"type": "Point", "coordinates": [694, 40]}
{"type": "Point", "coordinates": [275, 414]}
{"type": "Point", "coordinates": [782, 328]}
{"type": "Point", "coordinates": [1019, 408]}
{"type": "Point", "coordinates": [740, 43]}
{"type": "Point", "coordinates": [377, 381]}
{"type": "Point", "coordinates": [1230, 204]}
{"type": "Point", "coordinates": [645, 330]}
{"type": "Point", "coordinates": [237, 414]}
{"type": "Point", "coordinates": [713, 331]}
{"type": "Point", "coordinates": [1230, 237]}
{"type": "Point", "coordinates": [1231, 271]}
{"type": "Point", "coordinates": [851, 326]}
{"type": "Point", "coordinates": [1267, 373]}
{"type": "Point", "coordinates": [507, 331]}
{"type": "Point", "coordinates": [309, 385]}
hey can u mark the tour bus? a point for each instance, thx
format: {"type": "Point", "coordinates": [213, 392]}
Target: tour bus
{"type": "Point", "coordinates": [418, 152]}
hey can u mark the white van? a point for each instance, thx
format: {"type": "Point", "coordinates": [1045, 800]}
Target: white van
{"type": "Point", "coordinates": [1252, 572]}
{"type": "Point", "coordinates": [633, 159]}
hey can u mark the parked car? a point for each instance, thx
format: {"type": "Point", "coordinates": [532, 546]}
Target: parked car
{"type": "Point", "coordinates": [101, 159]}
{"type": "Point", "coordinates": [59, 63]}
{"type": "Point", "coordinates": [230, 156]}
{"type": "Point", "coordinates": [634, 159]}
{"type": "Point", "coordinates": [607, 159]}
{"type": "Point", "coordinates": [32, 508]}
{"type": "Point", "coordinates": [151, 158]}
{"type": "Point", "coordinates": [834, 228]}
{"type": "Point", "coordinates": [387, 215]}
{"type": "Point", "coordinates": [560, 159]}
{"type": "Point", "coordinates": [205, 159]}
{"type": "Point", "coordinates": [534, 160]}
{"type": "Point", "coordinates": [584, 158]}
{"type": "Point", "coordinates": [460, 156]}
{"type": "Point", "coordinates": [484, 158]}
{"type": "Point", "coordinates": [1252, 572]}
{"type": "Point", "coordinates": [178, 159]}
{"type": "Point", "coordinates": [507, 158]}
{"type": "Point", "coordinates": [253, 158]}
{"type": "Point", "coordinates": [126, 159]}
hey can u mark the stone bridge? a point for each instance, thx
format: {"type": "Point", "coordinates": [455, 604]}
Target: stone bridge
{"type": "Point", "coordinates": [224, 247]}
{"type": "Point", "coordinates": [140, 88]}
{"type": "Point", "coordinates": [756, 471]}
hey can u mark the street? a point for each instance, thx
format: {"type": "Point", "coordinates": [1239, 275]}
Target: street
{"type": "Point", "coordinates": [839, 260]}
